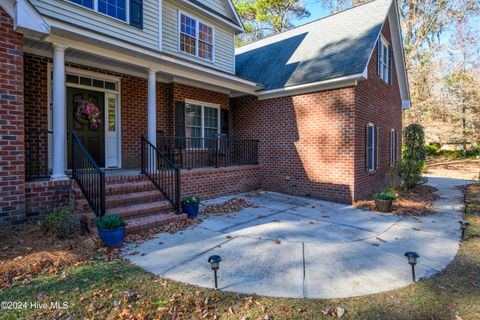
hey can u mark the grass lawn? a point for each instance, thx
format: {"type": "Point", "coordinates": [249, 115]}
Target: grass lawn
{"type": "Point", "coordinates": [119, 290]}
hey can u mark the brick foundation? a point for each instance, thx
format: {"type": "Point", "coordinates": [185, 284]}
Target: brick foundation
{"type": "Point", "coordinates": [43, 196]}
{"type": "Point", "coordinates": [211, 183]}
{"type": "Point", "coordinates": [12, 145]}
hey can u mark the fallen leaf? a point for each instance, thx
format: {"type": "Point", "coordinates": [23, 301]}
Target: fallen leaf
{"type": "Point", "coordinates": [340, 312]}
{"type": "Point", "coordinates": [276, 241]}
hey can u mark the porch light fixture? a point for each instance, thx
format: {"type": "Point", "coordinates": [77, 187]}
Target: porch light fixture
{"type": "Point", "coordinates": [463, 225]}
{"type": "Point", "coordinates": [412, 260]}
{"type": "Point", "coordinates": [215, 264]}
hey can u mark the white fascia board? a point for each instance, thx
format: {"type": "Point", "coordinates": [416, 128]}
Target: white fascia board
{"type": "Point", "coordinates": [406, 104]}
{"type": "Point", "coordinates": [330, 84]}
{"type": "Point", "coordinates": [213, 16]}
{"type": "Point", "coordinates": [239, 21]}
{"type": "Point", "coordinates": [28, 19]}
{"type": "Point", "coordinates": [246, 84]}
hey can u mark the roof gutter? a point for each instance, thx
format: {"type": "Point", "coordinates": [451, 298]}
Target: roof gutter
{"type": "Point", "coordinates": [341, 82]}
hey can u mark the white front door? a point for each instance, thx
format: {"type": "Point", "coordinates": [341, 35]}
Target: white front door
{"type": "Point", "coordinates": [112, 131]}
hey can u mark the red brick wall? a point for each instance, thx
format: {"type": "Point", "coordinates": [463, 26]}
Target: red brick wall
{"type": "Point", "coordinates": [36, 114]}
{"type": "Point", "coordinates": [314, 144]}
{"type": "Point", "coordinates": [42, 196]}
{"type": "Point", "coordinates": [211, 183]}
{"type": "Point", "coordinates": [379, 103]}
{"type": "Point", "coordinates": [12, 145]}
{"type": "Point", "coordinates": [306, 141]}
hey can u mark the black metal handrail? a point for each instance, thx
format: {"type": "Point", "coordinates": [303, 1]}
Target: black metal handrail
{"type": "Point", "coordinates": [90, 178]}
{"type": "Point", "coordinates": [221, 151]}
{"type": "Point", "coordinates": [161, 171]}
{"type": "Point", "coordinates": [36, 154]}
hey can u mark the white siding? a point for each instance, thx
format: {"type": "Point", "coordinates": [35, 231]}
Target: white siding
{"type": "Point", "coordinates": [224, 45]}
{"type": "Point", "coordinates": [63, 10]}
{"type": "Point", "coordinates": [221, 6]}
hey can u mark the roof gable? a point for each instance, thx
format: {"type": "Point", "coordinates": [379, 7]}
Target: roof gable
{"type": "Point", "coordinates": [221, 8]}
{"type": "Point", "coordinates": [336, 46]}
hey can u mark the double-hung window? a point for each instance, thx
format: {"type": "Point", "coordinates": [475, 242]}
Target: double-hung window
{"type": "Point", "coordinates": [371, 147]}
{"type": "Point", "coordinates": [384, 58]}
{"type": "Point", "coordinates": [393, 147]}
{"type": "Point", "coordinates": [130, 11]}
{"type": "Point", "coordinates": [196, 38]}
{"type": "Point", "coordinates": [113, 8]}
{"type": "Point", "coordinates": [201, 124]}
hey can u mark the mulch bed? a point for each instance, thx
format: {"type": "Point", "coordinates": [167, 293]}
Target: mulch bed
{"type": "Point", "coordinates": [26, 250]}
{"type": "Point", "coordinates": [232, 205]}
{"type": "Point", "coordinates": [419, 201]}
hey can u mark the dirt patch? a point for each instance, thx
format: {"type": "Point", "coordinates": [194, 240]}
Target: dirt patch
{"type": "Point", "coordinates": [459, 169]}
{"type": "Point", "coordinates": [26, 250]}
{"type": "Point", "coordinates": [419, 201]}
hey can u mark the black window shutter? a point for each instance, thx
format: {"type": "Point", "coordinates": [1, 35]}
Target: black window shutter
{"type": "Point", "coordinates": [366, 148]}
{"type": "Point", "coordinates": [180, 123]}
{"type": "Point", "coordinates": [377, 145]}
{"type": "Point", "coordinates": [390, 65]}
{"type": "Point", "coordinates": [136, 13]}
{"type": "Point", "coordinates": [379, 55]}
{"type": "Point", "coordinates": [224, 121]}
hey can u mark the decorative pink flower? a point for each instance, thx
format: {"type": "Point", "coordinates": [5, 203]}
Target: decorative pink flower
{"type": "Point", "coordinates": [91, 111]}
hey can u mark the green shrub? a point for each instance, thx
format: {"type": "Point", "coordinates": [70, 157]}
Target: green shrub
{"type": "Point", "coordinates": [109, 222]}
{"type": "Point", "coordinates": [413, 158]}
{"type": "Point", "coordinates": [190, 200]}
{"type": "Point", "coordinates": [61, 222]}
{"type": "Point", "coordinates": [387, 194]}
{"type": "Point", "coordinates": [458, 154]}
{"type": "Point", "coordinates": [431, 150]}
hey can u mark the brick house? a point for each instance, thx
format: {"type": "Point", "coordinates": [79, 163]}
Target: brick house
{"type": "Point", "coordinates": [123, 106]}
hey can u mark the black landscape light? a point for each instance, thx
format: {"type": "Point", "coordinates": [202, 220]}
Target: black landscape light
{"type": "Point", "coordinates": [463, 225]}
{"type": "Point", "coordinates": [215, 264]}
{"type": "Point", "coordinates": [412, 260]}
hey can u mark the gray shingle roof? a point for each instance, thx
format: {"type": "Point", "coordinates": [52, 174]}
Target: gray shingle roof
{"type": "Point", "coordinates": [335, 46]}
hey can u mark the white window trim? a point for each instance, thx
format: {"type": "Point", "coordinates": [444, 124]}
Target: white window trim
{"type": "Point", "coordinates": [385, 65]}
{"type": "Point", "coordinates": [197, 40]}
{"type": "Point", "coordinates": [203, 105]}
{"type": "Point", "coordinates": [95, 9]}
{"type": "Point", "coordinates": [373, 151]}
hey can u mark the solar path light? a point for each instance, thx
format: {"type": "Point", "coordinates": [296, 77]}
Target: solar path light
{"type": "Point", "coordinates": [412, 260]}
{"type": "Point", "coordinates": [463, 225]}
{"type": "Point", "coordinates": [215, 264]}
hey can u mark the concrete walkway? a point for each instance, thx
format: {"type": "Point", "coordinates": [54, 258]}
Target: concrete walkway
{"type": "Point", "coordinates": [305, 248]}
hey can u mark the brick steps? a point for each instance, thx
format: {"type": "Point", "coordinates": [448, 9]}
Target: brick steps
{"type": "Point", "coordinates": [118, 200]}
{"type": "Point", "coordinates": [151, 221]}
{"type": "Point", "coordinates": [136, 199]}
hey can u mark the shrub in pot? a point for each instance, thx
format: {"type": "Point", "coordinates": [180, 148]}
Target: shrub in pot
{"type": "Point", "coordinates": [111, 229]}
{"type": "Point", "coordinates": [384, 200]}
{"type": "Point", "coordinates": [190, 206]}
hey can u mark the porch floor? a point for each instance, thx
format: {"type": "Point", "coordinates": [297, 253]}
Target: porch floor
{"type": "Point", "coordinates": [121, 172]}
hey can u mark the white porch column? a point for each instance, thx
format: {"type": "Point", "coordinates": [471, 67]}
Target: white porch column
{"type": "Point", "coordinates": [152, 107]}
{"type": "Point", "coordinates": [59, 112]}
{"type": "Point", "coordinates": [152, 115]}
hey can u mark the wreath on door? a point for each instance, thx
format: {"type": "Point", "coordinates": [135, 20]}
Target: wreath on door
{"type": "Point", "coordinates": [88, 113]}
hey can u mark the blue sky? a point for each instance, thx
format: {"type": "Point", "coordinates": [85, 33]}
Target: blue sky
{"type": "Point", "coordinates": [316, 11]}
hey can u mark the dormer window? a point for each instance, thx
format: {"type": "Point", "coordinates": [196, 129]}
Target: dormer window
{"type": "Point", "coordinates": [196, 38]}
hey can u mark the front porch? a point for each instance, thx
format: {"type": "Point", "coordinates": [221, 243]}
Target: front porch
{"type": "Point", "coordinates": [160, 136]}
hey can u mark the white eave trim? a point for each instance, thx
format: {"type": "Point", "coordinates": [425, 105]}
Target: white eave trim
{"type": "Point", "coordinates": [330, 84]}
{"type": "Point", "coordinates": [27, 19]}
{"type": "Point", "coordinates": [214, 16]}
{"type": "Point", "coordinates": [150, 53]}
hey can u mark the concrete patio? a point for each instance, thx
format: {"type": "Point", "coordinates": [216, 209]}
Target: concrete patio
{"type": "Point", "coordinates": [305, 248]}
